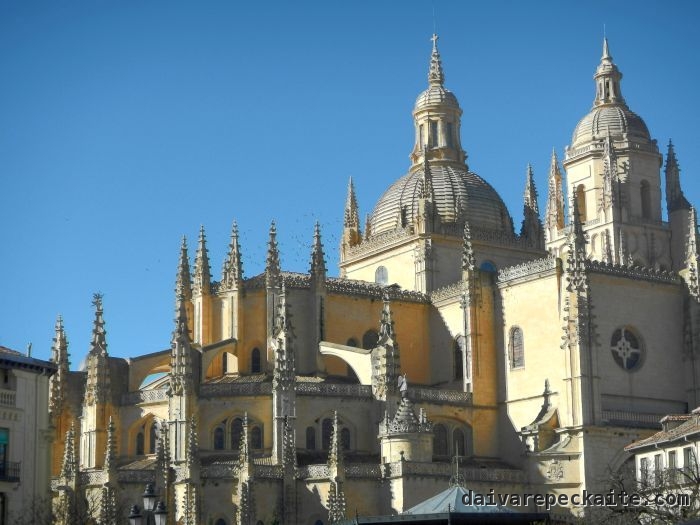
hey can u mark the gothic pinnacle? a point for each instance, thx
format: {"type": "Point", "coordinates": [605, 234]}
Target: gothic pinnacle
{"type": "Point", "coordinates": [468, 260]}
{"type": "Point", "coordinates": [183, 281]}
{"type": "Point", "coordinates": [426, 179]}
{"type": "Point", "coordinates": [99, 342]}
{"type": "Point", "coordinates": [318, 262]}
{"type": "Point", "coordinates": [232, 272]}
{"type": "Point", "coordinates": [352, 216]}
{"type": "Point", "coordinates": [554, 214]}
{"type": "Point", "coordinates": [272, 263]}
{"type": "Point", "coordinates": [675, 199]}
{"type": "Point", "coordinates": [202, 271]}
{"type": "Point", "coordinates": [59, 351]}
{"type": "Point", "coordinates": [606, 50]}
{"type": "Point", "coordinates": [530, 197]}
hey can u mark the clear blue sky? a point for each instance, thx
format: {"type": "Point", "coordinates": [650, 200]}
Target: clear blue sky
{"type": "Point", "coordinates": [126, 124]}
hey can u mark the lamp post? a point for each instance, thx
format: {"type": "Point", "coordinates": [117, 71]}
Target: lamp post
{"type": "Point", "coordinates": [153, 514]}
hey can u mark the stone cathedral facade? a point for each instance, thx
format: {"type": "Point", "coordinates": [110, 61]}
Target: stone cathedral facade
{"type": "Point", "coordinates": [534, 356]}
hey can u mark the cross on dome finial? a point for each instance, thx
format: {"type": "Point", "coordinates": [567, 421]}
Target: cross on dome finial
{"type": "Point", "coordinates": [435, 75]}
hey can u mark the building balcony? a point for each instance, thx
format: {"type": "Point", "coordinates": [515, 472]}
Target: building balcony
{"type": "Point", "coordinates": [8, 398]}
{"type": "Point", "coordinates": [10, 471]}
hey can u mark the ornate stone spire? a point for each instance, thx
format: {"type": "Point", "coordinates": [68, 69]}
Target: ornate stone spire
{"type": "Point", "coordinates": [608, 197]}
{"type": "Point", "coordinates": [192, 455]}
{"type": "Point", "coordinates": [289, 457]}
{"type": "Point", "coordinates": [181, 373]}
{"type": "Point", "coordinates": [97, 384]}
{"type": "Point", "coordinates": [272, 263]}
{"type": "Point", "coordinates": [183, 282]}
{"type": "Point", "coordinates": [576, 257]}
{"type": "Point", "coordinates": [406, 421]}
{"type": "Point", "coordinates": [318, 261]}
{"type": "Point", "coordinates": [336, 502]}
{"type": "Point", "coordinates": [108, 500]}
{"type": "Point", "coordinates": [245, 474]}
{"type": "Point", "coordinates": [436, 77]}
{"type": "Point", "coordinates": [352, 215]}
{"type": "Point", "coordinates": [675, 199]}
{"type": "Point", "coordinates": [69, 467]}
{"type": "Point", "coordinates": [607, 77]}
{"type": "Point", "coordinates": [202, 270]}
{"type": "Point", "coordinates": [532, 225]}
{"type": "Point", "coordinates": [59, 380]}
{"type": "Point", "coordinates": [555, 196]}
{"type": "Point", "coordinates": [335, 451]}
{"type": "Point", "coordinates": [468, 260]}
{"type": "Point", "coordinates": [190, 498]}
{"type": "Point", "coordinates": [232, 273]}
{"type": "Point", "coordinates": [386, 324]}
{"type": "Point", "coordinates": [245, 460]}
{"type": "Point", "coordinates": [284, 373]}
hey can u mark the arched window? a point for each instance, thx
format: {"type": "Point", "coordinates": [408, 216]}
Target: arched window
{"type": "Point", "coordinates": [381, 275]}
{"type": "Point", "coordinates": [459, 442]}
{"type": "Point", "coordinates": [152, 439]}
{"type": "Point", "coordinates": [326, 433]}
{"type": "Point", "coordinates": [458, 354]}
{"type": "Point", "coordinates": [645, 194]}
{"type": "Point", "coordinates": [310, 438]}
{"type": "Point", "coordinates": [488, 266]}
{"type": "Point", "coordinates": [516, 348]}
{"type": "Point", "coordinates": [370, 339]}
{"type": "Point", "coordinates": [581, 201]}
{"type": "Point", "coordinates": [219, 438]}
{"type": "Point", "coordinates": [255, 361]}
{"type": "Point", "coordinates": [351, 342]}
{"type": "Point", "coordinates": [345, 438]}
{"type": "Point", "coordinates": [434, 134]}
{"type": "Point", "coordinates": [236, 433]}
{"type": "Point", "coordinates": [440, 440]}
{"type": "Point", "coordinates": [256, 438]}
{"type": "Point", "coordinates": [140, 446]}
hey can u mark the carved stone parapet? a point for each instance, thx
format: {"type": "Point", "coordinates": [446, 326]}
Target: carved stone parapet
{"type": "Point", "coordinates": [633, 272]}
{"type": "Point", "coordinates": [528, 268]}
{"type": "Point", "coordinates": [367, 289]}
{"type": "Point", "coordinates": [432, 395]}
{"type": "Point", "coordinates": [334, 390]}
{"type": "Point", "coordinates": [380, 241]}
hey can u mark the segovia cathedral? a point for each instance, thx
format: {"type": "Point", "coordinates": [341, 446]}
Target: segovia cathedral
{"type": "Point", "coordinates": [450, 348]}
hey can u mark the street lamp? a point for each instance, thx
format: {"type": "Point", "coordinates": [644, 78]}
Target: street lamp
{"type": "Point", "coordinates": [154, 514]}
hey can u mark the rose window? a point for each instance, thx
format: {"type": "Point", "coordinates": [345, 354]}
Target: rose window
{"type": "Point", "coordinates": [626, 349]}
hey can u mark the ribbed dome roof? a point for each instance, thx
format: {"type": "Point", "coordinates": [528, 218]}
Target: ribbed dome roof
{"type": "Point", "coordinates": [616, 119]}
{"type": "Point", "coordinates": [436, 95]}
{"type": "Point", "coordinates": [458, 195]}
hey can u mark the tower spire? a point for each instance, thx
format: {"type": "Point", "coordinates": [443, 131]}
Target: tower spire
{"type": "Point", "coordinates": [180, 355]}
{"type": "Point", "coordinates": [183, 282]}
{"type": "Point", "coordinates": [202, 271]}
{"type": "Point", "coordinates": [232, 273]}
{"type": "Point", "coordinates": [59, 381]}
{"type": "Point", "coordinates": [436, 77]}
{"type": "Point", "coordinates": [675, 199]}
{"type": "Point", "coordinates": [607, 77]}
{"type": "Point", "coordinates": [352, 216]}
{"type": "Point", "coordinates": [318, 261]}
{"type": "Point", "coordinates": [272, 263]}
{"type": "Point", "coordinates": [555, 196]}
{"type": "Point", "coordinates": [97, 384]}
{"type": "Point", "coordinates": [532, 225]}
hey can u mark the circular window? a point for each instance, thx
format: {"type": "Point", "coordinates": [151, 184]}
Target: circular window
{"type": "Point", "coordinates": [626, 348]}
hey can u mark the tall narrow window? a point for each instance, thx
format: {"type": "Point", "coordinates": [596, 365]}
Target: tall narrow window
{"type": "Point", "coordinates": [645, 194]}
{"type": "Point", "coordinates": [140, 443]}
{"type": "Point", "coordinates": [152, 439]}
{"type": "Point", "coordinates": [672, 467]}
{"type": "Point", "coordinates": [256, 438]}
{"type": "Point", "coordinates": [434, 134]}
{"type": "Point", "coordinates": [689, 464]}
{"type": "Point", "coordinates": [255, 361]}
{"type": "Point", "coordinates": [658, 470]}
{"type": "Point", "coordinates": [310, 438]}
{"type": "Point", "coordinates": [345, 439]}
{"type": "Point", "coordinates": [326, 433]}
{"type": "Point", "coordinates": [421, 136]}
{"type": "Point", "coordinates": [236, 433]}
{"type": "Point", "coordinates": [449, 141]}
{"type": "Point", "coordinates": [219, 438]}
{"type": "Point", "coordinates": [440, 440]}
{"type": "Point", "coordinates": [516, 350]}
{"type": "Point", "coordinates": [644, 470]}
{"type": "Point", "coordinates": [581, 201]}
{"type": "Point", "coordinates": [381, 275]}
{"type": "Point", "coordinates": [458, 358]}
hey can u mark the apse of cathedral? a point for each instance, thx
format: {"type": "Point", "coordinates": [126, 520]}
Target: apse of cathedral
{"type": "Point", "coordinates": [451, 348]}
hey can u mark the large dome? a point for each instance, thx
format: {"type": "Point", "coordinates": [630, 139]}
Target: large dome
{"type": "Point", "coordinates": [458, 195]}
{"type": "Point", "coordinates": [614, 119]}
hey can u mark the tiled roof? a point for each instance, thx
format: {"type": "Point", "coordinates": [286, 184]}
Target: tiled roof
{"type": "Point", "coordinates": [691, 426]}
{"type": "Point", "coordinates": [5, 350]}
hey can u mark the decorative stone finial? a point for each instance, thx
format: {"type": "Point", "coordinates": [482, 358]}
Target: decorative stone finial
{"type": "Point", "coordinates": [318, 261]}
{"type": "Point", "coordinates": [183, 280]}
{"type": "Point", "coordinates": [232, 272]}
{"type": "Point", "coordinates": [272, 262]}
{"type": "Point", "coordinates": [436, 77]}
{"type": "Point", "coordinates": [202, 270]}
